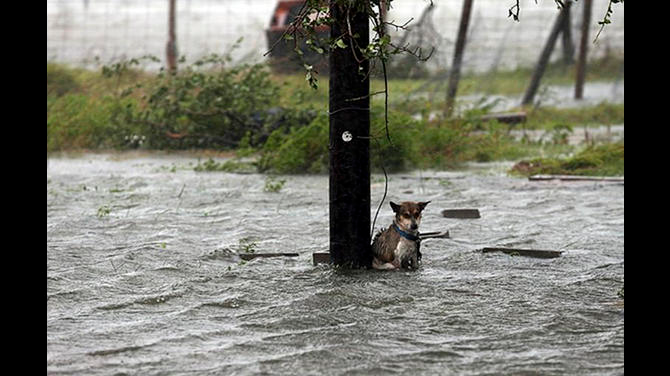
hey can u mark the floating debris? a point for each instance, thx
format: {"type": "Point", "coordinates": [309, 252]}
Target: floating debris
{"type": "Point", "coordinates": [461, 213]}
{"type": "Point", "coordinates": [539, 253]}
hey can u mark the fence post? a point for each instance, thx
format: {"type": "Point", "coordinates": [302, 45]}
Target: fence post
{"type": "Point", "coordinates": [455, 71]}
{"type": "Point", "coordinates": [583, 49]}
{"type": "Point", "coordinates": [171, 48]}
{"type": "Point", "coordinates": [566, 36]}
{"type": "Point", "coordinates": [544, 57]}
{"type": "Point", "coordinates": [349, 143]}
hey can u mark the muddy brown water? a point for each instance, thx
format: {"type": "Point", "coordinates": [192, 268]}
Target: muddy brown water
{"type": "Point", "coordinates": [143, 276]}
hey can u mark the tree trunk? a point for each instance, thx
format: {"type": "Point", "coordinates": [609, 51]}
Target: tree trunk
{"type": "Point", "coordinates": [349, 144]}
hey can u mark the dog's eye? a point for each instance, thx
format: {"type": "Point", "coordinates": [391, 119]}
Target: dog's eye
{"type": "Point", "coordinates": [406, 215]}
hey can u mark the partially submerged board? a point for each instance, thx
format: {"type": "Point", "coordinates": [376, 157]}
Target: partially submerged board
{"type": "Point", "coordinates": [461, 213]}
{"type": "Point", "coordinates": [616, 179]}
{"type": "Point", "coordinates": [506, 117]}
{"type": "Point", "coordinates": [320, 258]}
{"type": "Point", "coordinates": [324, 257]}
{"type": "Point", "coordinates": [539, 253]}
{"type": "Point", "coordinates": [435, 234]}
{"type": "Point", "coordinates": [251, 256]}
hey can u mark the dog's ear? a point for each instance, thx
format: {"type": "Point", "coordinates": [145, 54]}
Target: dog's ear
{"type": "Point", "coordinates": [394, 206]}
{"type": "Point", "coordinates": [422, 205]}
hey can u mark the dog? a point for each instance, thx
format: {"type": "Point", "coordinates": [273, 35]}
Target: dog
{"type": "Point", "coordinates": [399, 245]}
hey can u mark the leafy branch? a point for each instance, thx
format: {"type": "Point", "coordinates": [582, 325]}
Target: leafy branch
{"type": "Point", "coordinates": [315, 14]}
{"type": "Point", "coordinates": [514, 9]}
{"type": "Point", "coordinates": [514, 13]}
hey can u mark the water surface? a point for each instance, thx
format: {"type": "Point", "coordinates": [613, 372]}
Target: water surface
{"type": "Point", "coordinates": [143, 275]}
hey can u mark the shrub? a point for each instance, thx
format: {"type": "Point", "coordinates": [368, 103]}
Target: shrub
{"type": "Point", "coordinates": [413, 144]}
{"type": "Point", "coordinates": [305, 149]}
{"type": "Point", "coordinates": [301, 150]}
{"type": "Point", "coordinates": [60, 80]}
{"type": "Point", "coordinates": [205, 108]}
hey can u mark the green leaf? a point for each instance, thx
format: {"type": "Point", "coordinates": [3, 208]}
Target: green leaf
{"type": "Point", "coordinates": [386, 39]}
{"type": "Point", "coordinates": [340, 43]}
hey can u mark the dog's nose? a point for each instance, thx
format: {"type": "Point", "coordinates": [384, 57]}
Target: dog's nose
{"type": "Point", "coordinates": [414, 226]}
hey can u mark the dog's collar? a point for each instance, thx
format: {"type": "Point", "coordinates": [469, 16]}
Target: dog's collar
{"type": "Point", "coordinates": [406, 235]}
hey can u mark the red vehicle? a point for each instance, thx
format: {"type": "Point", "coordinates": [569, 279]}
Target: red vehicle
{"type": "Point", "coordinates": [283, 57]}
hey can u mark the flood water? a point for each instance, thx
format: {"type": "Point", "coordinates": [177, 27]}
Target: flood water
{"type": "Point", "coordinates": [143, 275]}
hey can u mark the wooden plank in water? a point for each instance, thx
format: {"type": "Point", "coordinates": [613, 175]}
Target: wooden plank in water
{"type": "Point", "coordinates": [507, 117]}
{"type": "Point", "coordinates": [539, 253]}
{"type": "Point", "coordinates": [618, 179]}
{"type": "Point", "coordinates": [321, 258]}
{"type": "Point", "coordinates": [251, 256]}
{"type": "Point", "coordinates": [436, 234]}
{"type": "Point", "coordinates": [461, 213]}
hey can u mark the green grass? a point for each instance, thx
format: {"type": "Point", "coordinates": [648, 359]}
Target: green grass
{"type": "Point", "coordinates": [64, 79]}
{"type": "Point", "coordinates": [600, 114]}
{"type": "Point", "coordinates": [501, 82]}
{"type": "Point", "coordinates": [79, 121]}
{"type": "Point", "coordinates": [599, 160]}
{"type": "Point", "coordinates": [512, 82]}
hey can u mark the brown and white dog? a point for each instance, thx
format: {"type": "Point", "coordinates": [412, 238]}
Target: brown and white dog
{"type": "Point", "coordinates": [398, 245]}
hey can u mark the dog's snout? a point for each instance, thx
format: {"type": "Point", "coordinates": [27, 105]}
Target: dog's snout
{"type": "Point", "coordinates": [414, 226]}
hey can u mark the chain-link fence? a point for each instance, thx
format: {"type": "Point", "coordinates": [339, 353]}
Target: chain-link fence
{"type": "Point", "coordinates": [92, 32]}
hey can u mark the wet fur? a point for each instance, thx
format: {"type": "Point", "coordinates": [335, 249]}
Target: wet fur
{"type": "Point", "coordinates": [392, 251]}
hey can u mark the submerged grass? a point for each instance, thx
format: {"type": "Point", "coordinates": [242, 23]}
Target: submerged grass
{"type": "Point", "coordinates": [230, 165]}
{"type": "Point", "coordinates": [598, 160]}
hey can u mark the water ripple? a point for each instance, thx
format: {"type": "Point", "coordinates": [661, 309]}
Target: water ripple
{"type": "Point", "coordinates": [156, 286]}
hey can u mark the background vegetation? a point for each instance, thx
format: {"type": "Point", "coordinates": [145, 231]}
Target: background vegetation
{"type": "Point", "coordinates": [282, 123]}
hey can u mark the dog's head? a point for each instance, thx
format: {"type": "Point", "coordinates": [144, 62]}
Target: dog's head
{"type": "Point", "coordinates": [408, 214]}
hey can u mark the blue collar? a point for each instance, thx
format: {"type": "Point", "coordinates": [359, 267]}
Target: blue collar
{"type": "Point", "coordinates": [405, 234]}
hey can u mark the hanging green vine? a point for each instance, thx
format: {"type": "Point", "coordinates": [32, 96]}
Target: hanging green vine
{"type": "Point", "coordinates": [607, 19]}
{"type": "Point", "coordinates": [514, 13]}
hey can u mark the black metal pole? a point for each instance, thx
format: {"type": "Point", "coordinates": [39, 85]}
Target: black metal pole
{"type": "Point", "coordinates": [349, 144]}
